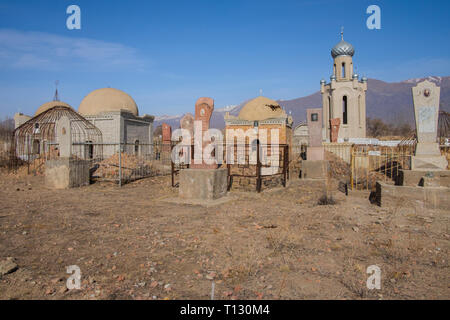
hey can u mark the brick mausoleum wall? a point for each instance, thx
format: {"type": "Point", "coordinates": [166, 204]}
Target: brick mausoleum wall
{"type": "Point", "coordinates": [249, 183]}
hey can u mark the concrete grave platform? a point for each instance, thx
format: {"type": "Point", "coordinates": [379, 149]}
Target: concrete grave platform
{"type": "Point", "coordinates": [430, 197]}
{"type": "Point", "coordinates": [413, 178]}
{"type": "Point", "coordinates": [67, 173]}
{"type": "Point", "coordinates": [427, 163]}
{"type": "Point", "coordinates": [203, 184]}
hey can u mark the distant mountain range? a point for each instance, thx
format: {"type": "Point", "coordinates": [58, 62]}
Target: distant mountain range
{"type": "Point", "coordinates": [390, 101]}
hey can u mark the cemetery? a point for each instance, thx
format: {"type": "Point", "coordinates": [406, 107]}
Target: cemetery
{"type": "Point", "coordinates": [262, 209]}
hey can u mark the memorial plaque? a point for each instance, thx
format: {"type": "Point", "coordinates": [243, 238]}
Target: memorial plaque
{"type": "Point", "coordinates": [426, 111]}
{"type": "Point", "coordinates": [427, 123]}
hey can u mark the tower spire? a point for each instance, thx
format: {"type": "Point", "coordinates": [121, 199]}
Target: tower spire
{"type": "Point", "coordinates": [56, 97]}
{"type": "Point", "coordinates": [342, 33]}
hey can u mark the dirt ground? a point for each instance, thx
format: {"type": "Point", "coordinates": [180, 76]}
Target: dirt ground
{"type": "Point", "coordinates": [130, 244]}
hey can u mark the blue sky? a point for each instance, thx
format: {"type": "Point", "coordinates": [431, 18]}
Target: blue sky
{"type": "Point", "coordinates": [166, 54]}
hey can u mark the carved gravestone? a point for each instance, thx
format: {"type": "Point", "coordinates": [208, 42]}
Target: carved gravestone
{"type": "Point", "coordinates": [314, 121]}
{"type": "Point", "coordinates": [426, 110]}
{"type": "Point", "coordinates": [64, 135]}
{"type": "Point", "coordinates": [166, 142]}
{"type": "Point", "coordinates": [203, 111]}
{"type": "Point", "coordinates": [187, 123]}
{"type": "Point", "coordinates": [202, 181]}
{"type": "Point", "coordinates": [335, 124]}
{"type": "Point", "coordinates": [315, 149]}
{"type": "Point", "coordinates": [166, 133]}
{"type": "Point", "coordinates": [66, 171]}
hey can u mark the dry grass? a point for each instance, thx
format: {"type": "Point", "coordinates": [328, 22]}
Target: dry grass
{"type": "Point", "coordinates": [274, 245]}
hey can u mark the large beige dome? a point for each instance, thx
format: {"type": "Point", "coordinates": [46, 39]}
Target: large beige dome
{"type": "Point", "coordinates": [105, 100]}
{"type": "Point", "coordinates": [49, 105]}
{"type": "Point", "coordinates": [261, 108]}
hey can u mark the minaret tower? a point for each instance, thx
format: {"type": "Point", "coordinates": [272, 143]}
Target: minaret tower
{"type": "Point", "coordinates": [344, 98]}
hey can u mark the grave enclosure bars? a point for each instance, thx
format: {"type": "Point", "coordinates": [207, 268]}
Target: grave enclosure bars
{"type": "Point", "coordinates": [252, 172]}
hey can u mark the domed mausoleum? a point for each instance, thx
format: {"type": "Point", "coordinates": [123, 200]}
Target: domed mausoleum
{"type": "Point", "coordinates": [116, 114]}
{"type": "Point", "coordinates": [20, 118]}
{"type": "Point", "coordinates": [261, 108]}
{"type": "Point", "coordinates": [261, 120]}
{"type": "Point", "coordinates": [107, 100]}
{"type": "Point", "coordinates": [262, 113]}
{"type": "Point", "coordinates": [48, 105]}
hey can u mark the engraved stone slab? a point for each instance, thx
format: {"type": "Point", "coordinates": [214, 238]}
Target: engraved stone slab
{"type": "Point", "coordinates": [314, 121]}
{"type": "Point", "coordinates": [187, 123]}
{"type": "Point", "coordinates": [426, 111]}
{"type": "Point", "coordinates": [335, 124]}
{"type": "Point", "coordinates": [426, 119]}
{"type": "Point", "coordinates": [203, 111]}
{"type": "Point", "coordinates": [166, 132]}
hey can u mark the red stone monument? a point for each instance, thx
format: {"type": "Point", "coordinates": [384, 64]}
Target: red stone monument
{"type": "Point", "coordinates": [203, 111]}
{"type": "Point", "coordinates": [166, 133]}
{"type": "Point", "coordinates": [334, 124]}
{"type": "Point", "coordinates": [202, 182]}
{"type": "Point", "coordinates": [166, 141]}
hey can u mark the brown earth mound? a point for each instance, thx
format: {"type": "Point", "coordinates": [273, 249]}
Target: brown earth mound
{"type": "Point", "coordinates": [132, 167]}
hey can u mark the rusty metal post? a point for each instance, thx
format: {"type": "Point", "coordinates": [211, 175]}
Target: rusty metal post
{"type": "Point", "coordinates": [258, 169]}
{"type": "Point", "coordinates": [120, 164]}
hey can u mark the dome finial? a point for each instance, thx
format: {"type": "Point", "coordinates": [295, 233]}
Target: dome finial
{"type": "Point", "coordinates": [56, 96]}
{"type": "Point", "coordinates": [342, 33]}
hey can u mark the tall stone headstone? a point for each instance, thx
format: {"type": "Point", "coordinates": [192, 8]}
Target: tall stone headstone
{"type": "Point", "coordinates": [64, 136]}
{"type": "Point", "coordinates": [334, 132]}
{"type": "Point", "coordinates": [66, 171]}
{"type": "Point", "coordinates": [187, 123]}
{"type": "Point", "coordinates": [166, 133]}
{"type": "Point", "coordinates": [315, 149]}
{"type": "Point", "coordinates": [166, 142]}
{"type": "Point", "coordinates": [204, 108]}
{"type": "Point", "coordinates": [314, 121]}
{"type": "Point", "coordinates": [202, 181]}
{"type": "Point", "coordinates": [426, 111]}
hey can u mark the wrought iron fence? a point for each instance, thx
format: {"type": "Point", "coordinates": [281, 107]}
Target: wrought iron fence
{"type": "Point", "coordinates": [253, 161]}
{"type": "Point", "coordinates": [371, 163]}
{"type": "Point", "coordinates": [126, 162]}
{"type": "Point", "coordinates": [120, 163]}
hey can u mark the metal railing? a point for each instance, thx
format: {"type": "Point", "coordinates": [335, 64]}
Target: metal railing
{"type": "Point", "coordinates": [241, 165]}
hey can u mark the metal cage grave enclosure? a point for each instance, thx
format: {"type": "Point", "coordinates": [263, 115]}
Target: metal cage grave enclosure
{"type": "Point", "coordinates": [57, 132]}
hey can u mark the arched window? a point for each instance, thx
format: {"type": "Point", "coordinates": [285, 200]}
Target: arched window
{"type": "Point", "coordinates": [330, 110]}
{"type": "Point", "coordinates": [344, 110]}
{"type": "Point", "coordinates": [343, 70]}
